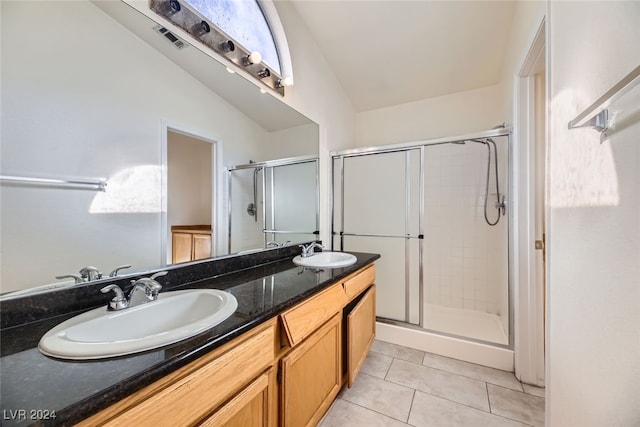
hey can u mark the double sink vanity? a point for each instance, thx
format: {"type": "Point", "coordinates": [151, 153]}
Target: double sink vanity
{"type": "Point", "coordinates": [261, 339]}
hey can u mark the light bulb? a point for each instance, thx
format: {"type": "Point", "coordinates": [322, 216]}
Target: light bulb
{"type": "Point", "coordinates": [285, 82]}
{"type": "Point", "coordinates": [253, 58]}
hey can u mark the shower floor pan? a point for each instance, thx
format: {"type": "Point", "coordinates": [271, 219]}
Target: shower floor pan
{"type": "Point", "coordinates": [465, 323]}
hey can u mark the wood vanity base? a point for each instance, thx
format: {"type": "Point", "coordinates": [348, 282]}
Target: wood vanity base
{"type": "Point", "coordinates": [285, 372]}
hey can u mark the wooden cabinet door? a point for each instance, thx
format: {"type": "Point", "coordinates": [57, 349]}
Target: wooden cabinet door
{"type": "Point", "coordinates": [311, 376]}
{"type": "Point", "coordinates": [201, 246]}
{"type": "Point", "coordinates": [251, 407]}
{"type": "Point", "coordinates": [181, 247]}
{"type": "Point", "coordinates": [361, 330]}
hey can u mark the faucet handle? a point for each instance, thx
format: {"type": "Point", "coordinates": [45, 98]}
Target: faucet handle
{"type": "Point", "coordinates": [76, 277]}
{"type": "Point", "coordinates": [159, 274]}
{"type": "Point", "coordinates": [118, 302]}
{"type": "Point", "coordinates": [149, 284]}
{"type": "Point", "coordinates": [115, 271]}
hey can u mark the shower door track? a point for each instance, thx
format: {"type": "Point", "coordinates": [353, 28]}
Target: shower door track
{"type": "Point", "coordinates": [415, 327]}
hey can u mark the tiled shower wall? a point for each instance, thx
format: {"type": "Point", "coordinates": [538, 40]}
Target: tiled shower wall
{"type": "Point", "coordinates": [465, 259]}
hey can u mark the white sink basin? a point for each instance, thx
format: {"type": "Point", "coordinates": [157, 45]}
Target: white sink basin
{"type": "Point", "coordinates": [326, 260]}
{"type": "Point", "coordinates": [174, 316]}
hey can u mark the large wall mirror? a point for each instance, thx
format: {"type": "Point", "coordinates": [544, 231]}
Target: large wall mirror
{"type": "Point", "coordinates": [95, 91]}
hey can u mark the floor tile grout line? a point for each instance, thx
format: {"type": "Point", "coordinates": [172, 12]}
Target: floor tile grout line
{"type": "Point", "coordinates": [457, 373]}
{"type": "Point", "coordinates": [400, 358]}
{"type": "Point", "coordinates": [413, 399]}
{"type": "Point", "coordinates": [517, 391]}
{"type": "Point", "coordinates": [440, 397]}
{"type": "Point", "coordinates": [373, 410]}
{"type": "Point", "coordinates": [486, 387]}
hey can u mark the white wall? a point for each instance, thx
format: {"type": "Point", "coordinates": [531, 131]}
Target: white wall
{"type": "Point", "coordinates": [318, 95]}
{"type": "Point", "coordinates": [189, 174]}
{"type": "Point", "coordinates": [293, 142]}
{"type": "Point", "coordinates": [527, 16]}
{"type": "Point", "coordinates": [82, 97]}
{"type": "Point", "coordinates": [449, 115]}
{"type": "Point", "coordinates": [593, 373]}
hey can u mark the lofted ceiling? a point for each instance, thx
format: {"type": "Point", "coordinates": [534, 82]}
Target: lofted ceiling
{"type": "Point", "coordinates": [390, 52]}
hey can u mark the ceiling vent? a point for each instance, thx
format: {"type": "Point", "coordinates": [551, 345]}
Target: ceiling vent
{"type": "Point", "coordinates": [175, 40]}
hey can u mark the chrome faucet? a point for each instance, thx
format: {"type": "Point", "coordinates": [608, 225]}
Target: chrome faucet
{"type": "Point", "coordinates": [274, 244]}
{"type": "Point", "coordinates": [90, 273]}
{"type": "Point", "coordinates": [307, 251]}
{"type": "Point", "coordinates": [144, 290]}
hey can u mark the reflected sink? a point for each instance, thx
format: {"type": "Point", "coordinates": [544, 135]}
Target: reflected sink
{"type": "Point", "coordinates": [174, 316]}
{"type": "Point", "coordinates": [326, 260]}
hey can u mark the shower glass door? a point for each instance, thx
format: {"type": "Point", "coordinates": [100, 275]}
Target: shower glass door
{"type": "Point", "coordinates": [378, 211]}
{"type": "Point", "coordinates": [291, 202]}
{"type": "Point", "coordinates": [430, 211]}
{"type": "Point", "coordinates": [272, 203]}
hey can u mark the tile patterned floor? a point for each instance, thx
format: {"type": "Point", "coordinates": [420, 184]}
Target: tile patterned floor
{"type": "Point", "coordinates": [400, 386]}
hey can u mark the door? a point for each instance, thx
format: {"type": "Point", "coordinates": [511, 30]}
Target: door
{"type": "Point", "coordinates": [201, 246]}
{"type": "Point", "coordinates": [251, 407]}
{"type": "Point", "coordinates": [361, 331]}
{"type": "Point", "coordinates": [189, 183]}
{"type": "Point", "coordinates": [181, 247]}
{"type": "Point", "coordinates": [311, 376]}
{"type": "Point", "coordinates": [377, 209]}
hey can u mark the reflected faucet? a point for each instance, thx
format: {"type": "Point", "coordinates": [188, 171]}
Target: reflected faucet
{"type": "Point", "coordinates": [90, 273]}
{"type": "Point", "coordinates": [144, 290]}
{"type": "Point", "coordinates": [307, 251]}
{"type": "Point", "coordinates": [274, 244]}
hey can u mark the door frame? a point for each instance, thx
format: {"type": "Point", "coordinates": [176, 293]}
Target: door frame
{"type": "Point", "coordinates": [218, 220]}
{"type": "Point", "coordinates": [529, 342]}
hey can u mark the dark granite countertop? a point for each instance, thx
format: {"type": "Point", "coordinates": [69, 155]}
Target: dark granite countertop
{"type": "Point", "coordinates": [34, 387]}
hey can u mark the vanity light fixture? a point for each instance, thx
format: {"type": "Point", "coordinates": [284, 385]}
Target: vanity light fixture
{"type": "Point", "coordinates": [253, 58]}
{"type": "Point", "coordinates": [228, 46]}
{"type": "Point", "coordinates": [202, 28]}
{"type": "Point", "coordinates": [284, 82]}
{"type": "Point", "coordinates": [205, 32]}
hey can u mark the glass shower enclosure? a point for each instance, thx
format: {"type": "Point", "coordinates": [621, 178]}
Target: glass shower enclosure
{"type": "Point", "coordinates": [272, 203]}
{"type": "Point", "coordinates": [436, 212]}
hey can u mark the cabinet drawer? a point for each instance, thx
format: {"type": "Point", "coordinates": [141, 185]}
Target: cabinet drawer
{"type": "Point", "coordinates": [311, 376]}
{"type": "Point", "coordinates": [189, 399]}
{"type": "Point", "coordinates": [354, 285]}
{"type": "Point", "coordinates": [300, 321]}
{"type": "Point", "coordinates": [249, 408]}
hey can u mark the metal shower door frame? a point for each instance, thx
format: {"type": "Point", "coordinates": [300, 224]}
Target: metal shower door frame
{"type": "Point", "coordinates": [421, 146]}
{"type": "Point", "coordinates": [407, 209]}
{"type": "Point", "coordinates": [269, 166]}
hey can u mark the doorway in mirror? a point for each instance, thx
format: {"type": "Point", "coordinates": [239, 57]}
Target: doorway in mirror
{"type": "Point", "coordinates": [190, 196]}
